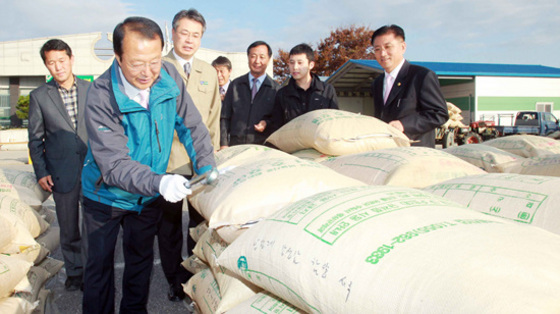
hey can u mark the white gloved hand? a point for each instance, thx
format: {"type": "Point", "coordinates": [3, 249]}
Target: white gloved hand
{"type": "Point", "coordinates": [172, 188]}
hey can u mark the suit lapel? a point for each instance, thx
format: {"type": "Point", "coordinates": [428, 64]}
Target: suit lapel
{"type": "Point", "coordinates": [58, 104]}
{"type": "Point", "coordinates": [399, 84]}
{"type": "Point", "coordinates": [171, 58]}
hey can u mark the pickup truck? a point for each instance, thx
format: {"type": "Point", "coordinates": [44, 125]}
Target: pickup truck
{"type": "Point", "coordinates": [531, 122]}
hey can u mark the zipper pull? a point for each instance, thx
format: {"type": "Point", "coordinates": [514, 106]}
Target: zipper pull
{"type": "Point", "coordinates": [157, 136]}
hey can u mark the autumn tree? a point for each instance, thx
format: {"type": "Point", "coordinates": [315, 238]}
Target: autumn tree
{"type": "Point", "coordinates": [343, 44]}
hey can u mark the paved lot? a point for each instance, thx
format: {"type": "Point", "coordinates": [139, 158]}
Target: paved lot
{"type": "Point", "coordinates": [62, 301]}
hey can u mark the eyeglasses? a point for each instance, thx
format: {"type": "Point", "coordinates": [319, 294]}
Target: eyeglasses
{"type": "Point", "coordinates": [154, 65]}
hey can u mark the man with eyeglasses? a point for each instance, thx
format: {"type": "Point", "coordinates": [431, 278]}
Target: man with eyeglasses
{"type": "Point", "coordinates": [202, 85]}
{"type": "Point", "coordinates": [406, 96]}
{"type": "Point", "coordinates": [132, 111]}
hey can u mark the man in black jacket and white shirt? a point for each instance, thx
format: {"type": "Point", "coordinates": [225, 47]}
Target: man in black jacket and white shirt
{"type": "Point", "coordinates": [304, 92]}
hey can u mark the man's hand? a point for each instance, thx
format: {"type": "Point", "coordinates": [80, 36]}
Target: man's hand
{"type": "Point", "coordinates": [172, 187]}
{"type": "Point", "coordinates": [46, 183]}
{"type": "Point", "coordinates": [397, 125]}
{"type": "Point", "coordinates": [261, 126]}
{"type": "Point", "coordinates": [223, 147]}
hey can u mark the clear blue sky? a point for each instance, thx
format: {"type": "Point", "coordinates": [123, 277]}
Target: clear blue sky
{"type": "Point", "coordinates": [484, 31]}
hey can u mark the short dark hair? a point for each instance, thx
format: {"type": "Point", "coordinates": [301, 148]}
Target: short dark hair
{"type": "Point", "coordinates": [305, 49]}
{"type": "Point", "coordinates": [395, 29]}
{"type": "Point", "coordinates": [190, 14]}
{"type": "Point", "coordinates": [55, 44]}
{"type": "Point", "coordinates": [222, 61]}
{"type": "Point", "coordinates": [260, 43]}
{"type": "Point", "coordinates": [137, 24]}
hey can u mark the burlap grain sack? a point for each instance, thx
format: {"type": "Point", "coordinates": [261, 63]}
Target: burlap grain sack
{"type": "Point", "coordinates": [49, 241]}
{"type": "Point", "coordinates": [378, 249]}
{"type": "Point", "coordinates": [24, 185]}
{"type": "Point", "coordinates": [32, 220]}
{"type": "Point", "coordinates": [51, 265]}
{"type": "Point", "coordinates": [48, 213]}
{"type": "Point", "coordinates": [44, 298]}
{"type": "Point", "coordinates": [264, 303]}
{"type": "Point", "coordinates": [452, 109]}
{"type": "Point", "coordinates": [36, 278]}
{"type": "Point", "coordinates": [12, 271]}
{"type": "Point", "coordinates": [204, 291]}
{"type": "Point", "coordinates": [311, 154]}
{"type": "Point", "coordinates": [336, 132]}
{"type": "Point", "coordinates": [194, 264]}
{"type": "Point", "coordinates": [258, 186]}
{"type": "Point", "coordinates": [198, 231]}
{"type": "Point", "coordinates": [526, 145]}
{"type": "Point", "coordinates": [15, 305]}
{"type": "Point", "coordinates": [543, 166]}
{"type": "Point", "coordinates": [233, 290]}
{"type": "Point", "coordinates": [485, 157]}
{"type": "Point", "coordinates": [525, 199]}
{"type": "Point", "coordinates": [414, 167]}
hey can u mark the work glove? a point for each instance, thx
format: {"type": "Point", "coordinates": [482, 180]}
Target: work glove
{"type": "Point", "coordinates": [172, 187]}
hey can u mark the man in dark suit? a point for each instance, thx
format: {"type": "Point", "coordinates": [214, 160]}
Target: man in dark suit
{"type": "Point", "coordinates": [57, 146]}
{"type": "Point", "coordinates": [248, 100]}
{"type": "Point", "coordinates": [406, 96]}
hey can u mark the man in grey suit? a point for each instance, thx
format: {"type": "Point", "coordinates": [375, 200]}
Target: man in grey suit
{"type": "Point", "coordinates": [57, 147]}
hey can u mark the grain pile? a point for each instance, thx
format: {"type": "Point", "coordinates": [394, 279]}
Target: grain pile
{"type": "Point", "coordinates": [25, 243]}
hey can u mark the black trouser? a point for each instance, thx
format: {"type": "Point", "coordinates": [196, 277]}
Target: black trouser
{"type": "Point", "coordinates": [170, 240]}
{"type": "Point", "coordinates": [102, 223]}
{"type": "Point", "coordinates": [67, 207]}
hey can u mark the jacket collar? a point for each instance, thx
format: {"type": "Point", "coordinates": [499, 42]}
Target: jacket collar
{"type": "Point", "coordinates": [400, 83]}
{"type": "Point", "coordinates": [163, 88]}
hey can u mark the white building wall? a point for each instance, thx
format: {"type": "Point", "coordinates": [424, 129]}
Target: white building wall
{"type": "Point", "coordinates": [493, 86]}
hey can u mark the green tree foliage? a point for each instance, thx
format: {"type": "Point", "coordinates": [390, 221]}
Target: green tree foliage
{"type": "Point", "coordinates": [343, 44]}
{"type": "Point", "coordinates": [22, 107]}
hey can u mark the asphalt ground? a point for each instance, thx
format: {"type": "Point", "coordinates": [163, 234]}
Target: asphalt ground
{"type": "Point", "coordinates": [62, 301]}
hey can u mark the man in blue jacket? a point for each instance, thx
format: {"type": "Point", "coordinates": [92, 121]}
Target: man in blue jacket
{"type": "Point", "coordinates": [131, 113]}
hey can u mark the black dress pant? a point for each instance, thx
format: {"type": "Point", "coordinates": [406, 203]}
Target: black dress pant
{"type": "Point", "coordinates": [102, 224]}
{"type": "Point", "coordinates": [170, 240]}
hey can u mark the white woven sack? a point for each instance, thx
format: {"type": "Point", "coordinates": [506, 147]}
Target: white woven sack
{"type": "Point", "coordinates": [543, 166]}
{"type": "Point", "coordinates": [525, 199]}
{"type": "Point", "coordinates": [259, 186]}
{"type": "Point", "coordinates": [378, 249]}
{"type": "Point", "coordinates": [6, 234]}
{"type": "Point", "coordinates": [26, 186]}
{"type": "Point", "coordinates": [485, 157]}
{"type": "Point", "coordinates": [32, 220]}
{"type": "Point", "coordinates": [414, 167]}
{"type": "Point", "coordinates": [240, 152]}
{"type": "Point", "coordinates": [12, 271]}
{"type": "Point", "coordinates": [311, 154]}
{"type": "Point", "coordinates": [336, 132]}
{"type": "Point", "coordinates": [15, 305]}
{"type": "Point", "coordinates": [204, 291]}
{"type": "Point", "coordinates": [264, 303]}
{"type": "Point", "coordinates": [232, 289]}
{"type": "Point", "coordinates": [526, 145]}
{"type": "Point", "coordinates": [21, 245]}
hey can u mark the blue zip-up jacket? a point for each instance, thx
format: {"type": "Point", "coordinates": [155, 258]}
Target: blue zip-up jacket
{"type": "Point", "coordinates": [129, 146]}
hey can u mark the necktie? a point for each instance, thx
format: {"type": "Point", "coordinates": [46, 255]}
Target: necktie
{"type": "Point", "coordinates": [144, 98]}
{"type": "Point", "coordinates": [254, 89]}
{"type": "Point", "coordinates": [187, 68]}
{"type": "Point", "coordinates": [222, 91]}
{"type": "Point", "coordinates": [388, 86]}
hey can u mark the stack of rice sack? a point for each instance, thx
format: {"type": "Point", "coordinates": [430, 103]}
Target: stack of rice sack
{"type": "Point", "coordinates": [382, 249]}
{"type": "Point", "coordinates": [258, 182]}
{"type": "Point", "coordinates": [526, 199]}
{"type": "Point", "coordinates": [455, 117]}
{"type": "Point", "coordinates": [541, 154]}
{"type": "Point", "coordinates": [488, 158]}
{"type": "Point", "coordinates": [414, 167]}
{"type": "Point", "coordinates": [25, 241]}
